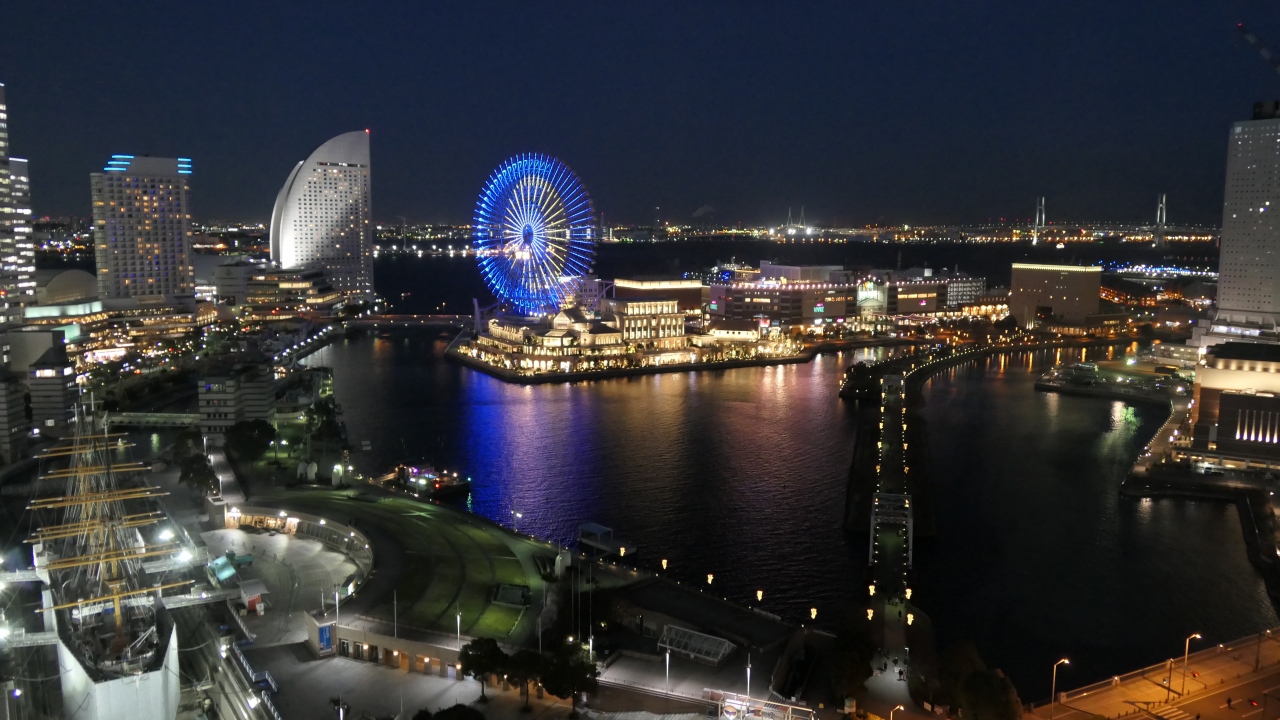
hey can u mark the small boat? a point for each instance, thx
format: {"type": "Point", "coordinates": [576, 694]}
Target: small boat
{"type": "Point", "coordinates": [425, 479]}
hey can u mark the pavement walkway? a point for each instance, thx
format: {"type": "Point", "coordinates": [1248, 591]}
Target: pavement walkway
{"type": "Point", "coordinates": [884, 690]}
{"type": "Point", "coordinates": [299, 574]}
{"type": "Point", "coordinates": [307, 684]}
{"type": "Point", "coordinates": [1158, 689]}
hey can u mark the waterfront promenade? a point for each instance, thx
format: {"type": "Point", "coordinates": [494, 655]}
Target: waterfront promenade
{"type": "Point", "coordinates": [1241, 670]}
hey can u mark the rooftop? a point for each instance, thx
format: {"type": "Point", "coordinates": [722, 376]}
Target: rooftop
{"type": "Point", "coordinates": [1245, 351]}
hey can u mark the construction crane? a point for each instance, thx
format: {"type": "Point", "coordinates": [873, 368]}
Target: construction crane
{"type": "Point", "coordinates": [1257, 45]}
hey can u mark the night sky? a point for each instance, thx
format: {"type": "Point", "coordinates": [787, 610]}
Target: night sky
{"type": "Point", "coordinates": [919, 112]}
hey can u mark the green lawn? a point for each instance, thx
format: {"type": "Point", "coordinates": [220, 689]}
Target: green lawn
{"type": "Point", "coordinates": [453, 561]}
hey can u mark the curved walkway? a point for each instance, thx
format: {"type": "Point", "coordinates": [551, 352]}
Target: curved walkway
{"type": "Point", "coordinates": [431, 563]}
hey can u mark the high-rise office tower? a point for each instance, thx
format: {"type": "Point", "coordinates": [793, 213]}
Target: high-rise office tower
{"type": "Point", "coordinates": [6, 181]}
{"type": "Point", "coordinates": [321, 216]}
{"type": "Point", "coordinates": [142, 227]}
{"type": "Point", "coordinates": [1249, 261]}
{"type": "Point", "coordinates": [18, 254]}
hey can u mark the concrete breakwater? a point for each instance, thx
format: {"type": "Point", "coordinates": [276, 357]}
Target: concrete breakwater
{"type": "Point", "coordinates": [864, 389]}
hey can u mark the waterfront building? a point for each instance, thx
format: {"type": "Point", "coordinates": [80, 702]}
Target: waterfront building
{"type": "Point", "coordinates": [108, 326]}
{"type": "Point", "coordinates": [241, 393]}
{"type": "Point", "coordinates": [914, 297]}
{"type": "Point", "coordinates": [321, 216]}
{"type": "Point", "coordinates": [1129, 293]}
{"type": "Point", "coordinates": [142, 227]}
{"type": "Point", "coordinates": [1235, 419]}
{"type": "Point", "coordinates": [688, 293]}
{"type": "Point", "coordinates": [1249, 259]}
{"type": "Point", "coordinates": [571, 341]}
{"type": "Point", "coordinates": [964, 290]}
{"type": "Point", "coordinates": [797, 273]}
{"type": "Point", "coordinates": [924, 291]}
{"type": "Point", "coordinates": [734, 330]}
{"type": "Point", "coordinates": [782, 305]}
{"type": "Point", "coordinates": [627, 333]}
{"type": "Point", "coordinates": [231, 281]}
{"type": "Point", "coordinates": [274, 294]}
{"type": "Point", "coordinates": [1060, 293]}
{"type": "Point", "coordinates": [657, 322]}
{"type": "Point", "coordinates": [51, 380]}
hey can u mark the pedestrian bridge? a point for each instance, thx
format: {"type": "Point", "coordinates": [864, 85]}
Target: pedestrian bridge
{"type": "Point", "coordinates": [410, 320]}
{"type": "Point", "coordinates": [153, 420]}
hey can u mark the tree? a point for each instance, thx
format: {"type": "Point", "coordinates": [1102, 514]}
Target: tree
{"type": "Point", "coordinates": [459, 712]}
{"type": "Point", "coordinates": [957, 663]}
{"type": "Point", "coordinates": [248, 440]}
{"type": "Point", "coordinates": [480, 658]}
{"type": "Point", "coordinates": [988, 695]}
{"type": "Point", "coordinates": [199, 474]}
{"type": "Point", "coordinates": [570, 673]}
{"type": "Point", "coordinates": [186, 443]}
{"type": "Point", "coordinates": [851, 663]}
{"type": "Point", "coordinates": [423, 714]}
{"type": "Point", "coordinates": [523, 668]}
{"type": "Point", "coordinates": [1007, 324]}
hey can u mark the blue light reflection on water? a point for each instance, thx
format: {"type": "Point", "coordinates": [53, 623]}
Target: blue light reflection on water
{"type": "Point", "coordinates": [742, 474]}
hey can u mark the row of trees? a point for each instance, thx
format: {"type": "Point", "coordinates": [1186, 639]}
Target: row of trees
{"type": "Point", "coordinates": [564, 674]}
{"type": "Point", "coordinates": [245, 441]}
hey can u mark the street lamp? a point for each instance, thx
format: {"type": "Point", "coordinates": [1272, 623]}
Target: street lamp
{"type": "Point", "coordinates": [894, 710]}
{"type": "Point", "coordinates": [1053, 687]}
{"type": "Point", "coordinates": [1186, 652]}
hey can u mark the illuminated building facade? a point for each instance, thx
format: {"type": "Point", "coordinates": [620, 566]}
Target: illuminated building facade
{"type": "Point", "coordinates": [686, 292]}
{"type": "Point", "coordinates": [280, 294]}
{"type": "Point", "coordinates": [784, 305]}
{"type": "Point", "coordinates": [658, 323]}
{"type": "Point", "coordinates": [17, 252]}
{"type": "Point", "coordinates": [51, 380]}
{"type": "Point", "coordinates": [1236, 415]}
{"type": "Point", "coordinates": [321, 216]}
{"type": "Point", "coordinates": [246, 392]}
{"type": "Point", "coordinates": [1249, 263]}
{"type": "Point", "coordinates": [1062, 293]}
{"type": "Point", "coordinates": [7, 209]}
{"type": "Point", "coordinates": [142, 227]}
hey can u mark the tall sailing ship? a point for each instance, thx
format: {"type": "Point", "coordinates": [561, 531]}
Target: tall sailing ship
{"type": "Point", "coordinates": [103, 547]}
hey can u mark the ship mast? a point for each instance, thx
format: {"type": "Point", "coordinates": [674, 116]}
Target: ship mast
{"type": "Point", "coordinates": [94, 552]}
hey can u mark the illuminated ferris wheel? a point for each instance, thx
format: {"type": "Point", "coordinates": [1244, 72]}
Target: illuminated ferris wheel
{"type": "Point", "coordinates": [535, 234]}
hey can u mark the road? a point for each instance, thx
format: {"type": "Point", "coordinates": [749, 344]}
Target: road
{"type": "Point", "coordinates": [1219, 672]}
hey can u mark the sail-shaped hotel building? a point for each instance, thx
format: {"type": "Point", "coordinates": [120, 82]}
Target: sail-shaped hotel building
{"type": "Point", "coordinates": [321, 216]}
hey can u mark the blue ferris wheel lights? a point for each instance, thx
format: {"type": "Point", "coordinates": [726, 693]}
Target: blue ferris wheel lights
{"type": "Point", "coordinates": [535, 233]}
